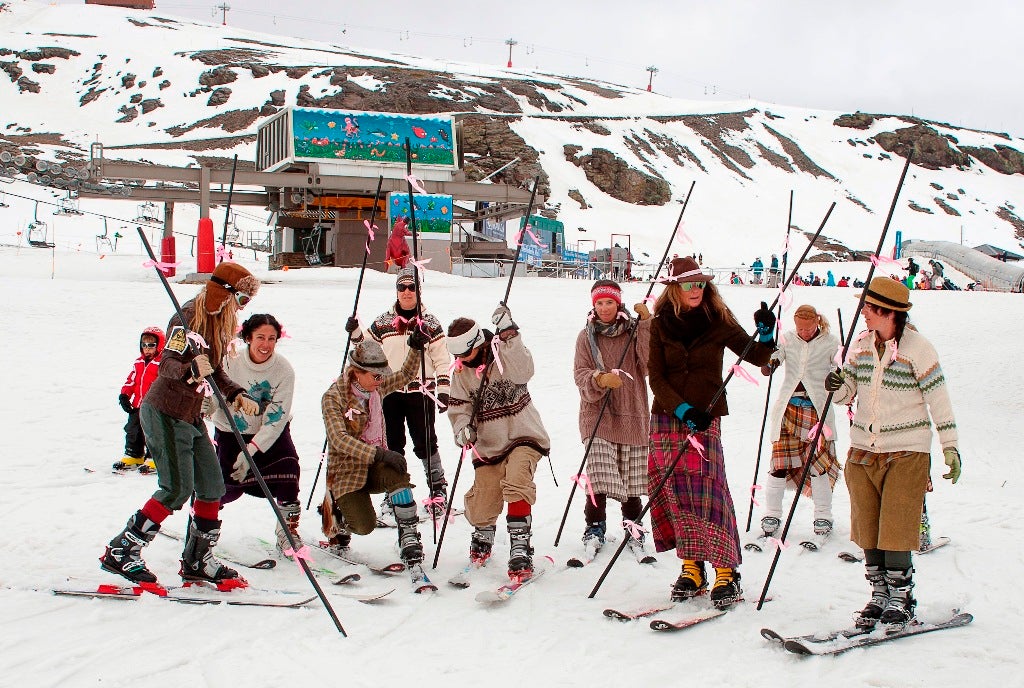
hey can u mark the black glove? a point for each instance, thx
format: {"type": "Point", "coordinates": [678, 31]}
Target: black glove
{"type": "Point", "coordinates": [126, 403]}
{"type": "Point", "coordinates": [765, 321]}
{"type": "Point", "coordinates": [695, 418]}
{"type": "Point", "coordinates": [442, 400]}
{"type": "Point", "coordinates": [351, 325]}
{"type": "Point", "coordinates": [418, 339]}
{"type": "Point", "coordinates": [392, 459]}
{"type": "Point", "coordinates": [834, 380]}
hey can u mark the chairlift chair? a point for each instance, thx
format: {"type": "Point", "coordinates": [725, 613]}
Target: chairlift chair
{"type": "Point", "coordinates": [103, 240]}
{"type": "Point", "coordinates": [37, 231]}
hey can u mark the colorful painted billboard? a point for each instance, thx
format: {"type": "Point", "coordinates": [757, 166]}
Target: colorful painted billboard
{"type": "Point", "coordinates": [372, 137]}
{"type": "Point", "coordinates": [433, 213]}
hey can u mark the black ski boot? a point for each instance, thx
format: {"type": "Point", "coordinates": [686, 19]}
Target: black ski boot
{"type": "Point", "coordinates": [480, 544]}
{"type": "Point", "coordinates": [409, 545]}
{"type": "Point", "coordinates": [124, 553]}
{"type": "Point", "coordinates": [726, 591]}
{"type": "Point", "coordinates": [691, 581]}
{"type": "Point", "coordinates": [291, 512]}
{"type": "Point", "coordinates": [198, 565]}
{"type": "Point", "coordinates": [872, 611]}
{"type": "Point", "coordinates": [900, 610]}
{"type": "Point", "coordinates": [520, 557]}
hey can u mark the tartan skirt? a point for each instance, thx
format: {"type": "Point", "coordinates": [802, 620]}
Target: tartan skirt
{"type": "Point", "coordinates": [617, 470]}
{"type": "Point", "coordinates": [694, 513]}
{"type": "Point", "coordinates": [789, 450]}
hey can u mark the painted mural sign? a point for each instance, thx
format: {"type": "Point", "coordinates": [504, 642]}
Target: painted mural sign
{"type": "Point", "coordinates": [433, 213]}
{"type": "Point", "coordinates": [378, 137]}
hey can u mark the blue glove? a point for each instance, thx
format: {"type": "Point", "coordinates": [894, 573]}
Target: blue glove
{"type": "Point", "coordinates": [695, 419]}
{"type": "Point", "coordinates": [765, 321]}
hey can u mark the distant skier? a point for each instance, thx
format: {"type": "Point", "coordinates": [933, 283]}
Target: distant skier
{"type": "Point", "coordinates": [144, 373]}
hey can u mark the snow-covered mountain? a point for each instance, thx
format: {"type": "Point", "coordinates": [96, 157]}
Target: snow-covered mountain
{"type": "Point", "coordinates": [612, 159]}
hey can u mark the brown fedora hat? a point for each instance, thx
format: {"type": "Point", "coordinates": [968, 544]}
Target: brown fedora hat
{"type": "Point", "coordinates": [687, 270]}
{"type": "Point", "coordinates": [886, 292]}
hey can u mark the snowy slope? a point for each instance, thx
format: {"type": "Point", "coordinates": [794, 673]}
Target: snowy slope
{"type": "Point", "coordinates": [740, 153]}
{"type": "Point", "coordinates": [73, 318]}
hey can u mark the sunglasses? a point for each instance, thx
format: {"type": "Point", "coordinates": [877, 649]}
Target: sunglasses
{"type": "Point", "coordinates": [241, 298]}
{"type": "Point", "coordinates": [147, 345]}
{"type": "Point", "coordinates": [406, 287]}
{"type": "Point", "coordinates": [377, 377]}
{"type": "Point", "coordinates": [687, 286]}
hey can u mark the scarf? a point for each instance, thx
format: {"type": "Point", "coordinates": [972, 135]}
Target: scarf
{"type": "Point", "coordinates": [373, 433]}
{"type": "Point", "coordinates": [622, 323]}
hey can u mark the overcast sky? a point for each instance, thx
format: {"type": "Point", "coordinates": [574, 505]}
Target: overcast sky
{"type": "Point", "coordinates": [946, 60]}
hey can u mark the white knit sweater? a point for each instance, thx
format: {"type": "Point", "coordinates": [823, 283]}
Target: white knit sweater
{"type": "Point", "coordinates": [895, 394]}
{"type": "Point", "coordinates": [272, 385]}
{"type": "Point", "coordinates": [809, 363]}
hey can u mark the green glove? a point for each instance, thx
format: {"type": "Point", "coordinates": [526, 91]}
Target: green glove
{"type": "Point", "coordinates": [953, 461]}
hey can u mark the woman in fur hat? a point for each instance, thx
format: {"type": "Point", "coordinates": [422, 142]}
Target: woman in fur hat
{"type": "Point", "coordinates": [895, 373]}
{"type": "Point", "coordinates": [359, 463]}
{"type": "Point", "coordinates": [694, 513]}
{"type": "Point", "coordinates": [807, 350]}
{"type": "Point", "coordinates": [617, 461]}
{"type": "Point", "coordinates": [171, 416]}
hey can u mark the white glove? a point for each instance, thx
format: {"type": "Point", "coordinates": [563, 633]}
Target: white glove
{"type": "Point", "coordinates": [502, 318]}
{"type": "Point", "coordinates": [246, 404]}
{"type": "Point", "coordinates": [240, 469]}
{"type": "Point", "coordinates": [466, 435]}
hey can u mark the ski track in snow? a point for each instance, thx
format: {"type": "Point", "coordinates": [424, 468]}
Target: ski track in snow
{"type": "Point", "coordinates": [71, 341]}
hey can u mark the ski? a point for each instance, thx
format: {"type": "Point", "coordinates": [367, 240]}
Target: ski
{"type": "Point", "coordinates": [193, 594]}
{"type": "Point", "coordinates": [590, 552]}
{"type": "Point", "coordinates": [423, 518]}
{"type": "Point", "coordinates": [226, 555]}
{"type": "Point", "coordinates": [687, 622]}
{"type": "Point", "coordinates": [843, 642]}
{"type": "Point", "coordinates": [758, 544]}
{"type": "Point", "coordinates": [637, 550]}
{"type": "Point", "coordinates": [506, 592]}
{"type": "Point", "coordinates": [317, 570]}
{"type": "Point", "coordinates": [420, 582]}
{"type": "Point", "coordinates": [639, 612]}
{"type": "Point", "coordinates": [356, 560]}
{"type": "Point", "coordinates": [118, 471]}
{"type": "Point", "coordinates": [936, 544]}
{"type": "Point", "coordinates": [463, 578]}
{"type": "Point", "coordinates": [344, 580]}
{"type": "Point", "coordinates": [366, 597]}
{"type": "Point", "coordinates": [815, 542]}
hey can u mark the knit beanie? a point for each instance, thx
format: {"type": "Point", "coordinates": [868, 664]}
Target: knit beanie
{"type": "Point", "coordinates": [406, 276]}
{"type": "Point", "coordinates": [606, 289]}
{"type": "Point", "coordinates": [228, 279]}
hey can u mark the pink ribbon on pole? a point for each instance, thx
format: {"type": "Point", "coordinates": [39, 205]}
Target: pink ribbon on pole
{"type": "Point", "coordinates": [415, 183]}
{"type": "Point", "coordinates": [420, 265]}
{"type": "Point", "coordinates": [620, 371]}
{"type": "Point", "coordinates": [877, 260]}
{"type": "Point", "coordinates": [221, 252]}
{"type": "Point", "coordinates": [426, 391]}
{"type": "Point", "coordinates": [303, 553]}
{"type": "Point", "coordinates": [635, 530]}
{"type": "Point", "coordinates": [849, 413]}
{"type": "Point", "coordinates": [682, 235]}
{"type": "Point", "coordinates": [754, 488]}
{"type": "Point", "coordinates": [738, 370]}
{"type": "Point", "coordinates": [455, 366]}
{"type": "Point", "coordinates": [161, 266]}
{"type": "Point", "coordinates": [583, 481]}
{"type": "Point", "coordinates": [649, 301]}
{"type": "Point", "coordinates": [778, 543]}
{"type": "Point", "coordinates": [398, 321]}
{"type": "Point", "coordinates": [197, 339]}
{"type": "Point", "coordinates": [785, 298]}
{"type": "Point", "coordinates": [495, 344]}
{"type": "Point", "coordinates": [528, 229]}
{"type": "Point", "coordinates": [370, 229]}
{"type": "Point", "coordinates": [470, 449]}
{"type": "Point", "coordinates": [205, 388]}
{"type": "Point", "coordinates": [479, 370]}
{"type": "Point", "coordinates": [696, 444]}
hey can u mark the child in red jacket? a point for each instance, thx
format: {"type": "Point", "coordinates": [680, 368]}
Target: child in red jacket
{"type": "Point", "coordinates": [144, 372]}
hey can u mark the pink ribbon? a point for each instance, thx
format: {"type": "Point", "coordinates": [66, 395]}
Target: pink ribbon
{"type": "Point", "coordinates": [420, 265]}
{"type": "Point", "coordinates": [778, 543]}
{"type": "Point", "coordinates": [433, 500]}
{"type": "Point", "coordinates": [221, 252]}
{"type": "Point", "coordinates": [161, 266]}
{"type": "Point", "coordinates": [825, 431]}
{"type": "Point", "coordinates": [738, 370]}
{"type": "Point", "coordinates": [876, 260]}
{"type": "Point", "coordinates": [470, 448]}
{"type": "Point", "coordinates": [204, 388]}
{"type": "Point", "coordinates": [683, 236]}
{"type": "Point", "coordinates": [352, 412]}
{"type": "Point", "coordinates": [370, 229]}
{"type": "Point", "coordinates": [415, 183]}
{"type": "Point", "coordinates": [754, 488]}
{"type": "Point", "coordinates": [849, 413]}
{"type": "Point", "coordinates": [455, 366]}
{"type": "Point", "coordinates": [428, 393]}
{"type": "Point", "coordinates": [785, 298]}
{"type": "Point", "coordinates": [284, 334]}
{"type": "Point", "coordinates": [398, 321]}
{"type": "Point", "coordinates": [635, 530]}
{"type": "Point", "coordinates": [303, 553]}
{"type": "Point", "coordinates": [583, 481]}
{"type": "Point", "coordinates": [495, 343]}
{"type": "Point", "coordinates": [649, 301]}
{"type": "Point", "coordinates": [696, 444]}
{"type": "Point", "coordinates": [782, 339]}
{"type": "Point", "coordinates": [197, 339]}
{"type": "Point", "coordinates": [528, 229]}
{"type": "Point", "coordinates": [620, 371]}
{"type": "Point", "coordinates": [479, 370]}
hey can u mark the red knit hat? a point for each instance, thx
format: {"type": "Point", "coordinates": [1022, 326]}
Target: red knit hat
{"type": "Point", "coordinates": [606, 289]}
{"type": "Point", "coordinates": [228, 279]}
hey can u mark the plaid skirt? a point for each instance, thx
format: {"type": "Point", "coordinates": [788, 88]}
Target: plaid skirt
{"type": "Point", "coordinates": [789, 450]}
{"type": "Point", "coordinates": [617, 470]}
{"type": "Point", "coordinates": [693, 514]}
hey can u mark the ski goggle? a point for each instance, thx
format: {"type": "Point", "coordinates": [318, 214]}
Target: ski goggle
{"type": "Point", "coordinates": [149, 345]}
{"type": "Point", "coordinates": [241, 298]}
{"type": "Point", "coordinates": [687, 286]}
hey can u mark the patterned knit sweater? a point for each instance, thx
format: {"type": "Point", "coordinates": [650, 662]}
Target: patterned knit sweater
{"type": "Point", "coordinates": [506, 417]}
{"type": "Point", "coordinates": [896, 392]}
{"type": "Point", "coordinates": [392, 334]}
